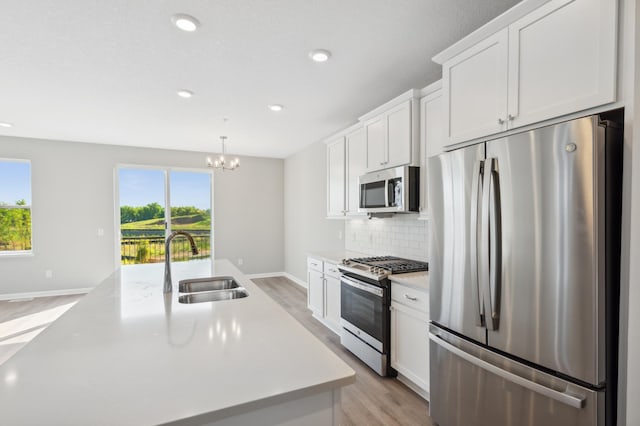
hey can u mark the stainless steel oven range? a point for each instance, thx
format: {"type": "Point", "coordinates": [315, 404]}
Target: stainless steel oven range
{"type": "Point", "coordinates": [365, 297]}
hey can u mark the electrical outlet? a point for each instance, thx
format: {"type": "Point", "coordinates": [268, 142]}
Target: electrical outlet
{"type": "Point", "coordinates": [48, 273]}
{"type": "Point", "coordinates": [339, 235]}
{"type": "Point", "coordinates": [100, 232]}
{"type": "Point", "coordinates": [240, 261]}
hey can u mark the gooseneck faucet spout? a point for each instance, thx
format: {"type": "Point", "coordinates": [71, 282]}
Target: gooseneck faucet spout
{"type": "Point", "coordinates": [168, 286]}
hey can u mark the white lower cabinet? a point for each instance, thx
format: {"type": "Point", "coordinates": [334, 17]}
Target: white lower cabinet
{"type": "Point", "coordinates": [315, 293]}
{"type": "Point", "coordinates": [323, 292]}
{"type": "Point", "coordinates": [409, 336]}
{"type": "Point", "coordinates": [332, 303]}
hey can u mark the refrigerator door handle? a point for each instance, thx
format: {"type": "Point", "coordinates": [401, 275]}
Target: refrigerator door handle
{"type": "Point", "coordinates": [495, 243]}
{"type": "Point", "coordinates": [484, 269]}
{"type": "Point", "coordinates": [476, 195]}
{"type": "Point", "coordinates": [565, 398]}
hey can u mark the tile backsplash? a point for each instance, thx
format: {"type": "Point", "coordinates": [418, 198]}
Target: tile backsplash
{"type": "Point", "coordinates": [399, 235]}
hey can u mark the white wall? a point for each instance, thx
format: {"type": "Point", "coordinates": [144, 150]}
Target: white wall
{"type": "Point", "coordinates": [306, 226]}
{"type": "Point", "coordinates": [73, 196]}
{"type": "Point", "coordinates": [400, 235]}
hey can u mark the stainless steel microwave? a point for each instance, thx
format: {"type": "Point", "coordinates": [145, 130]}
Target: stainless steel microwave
{"type": "Point", "coordinates": [395, 190]}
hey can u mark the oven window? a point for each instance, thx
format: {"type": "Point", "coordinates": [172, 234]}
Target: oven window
{"type": "Point", "coordinates": [372, 194]}
{"type": "Point", "coordinates": [362, 309]}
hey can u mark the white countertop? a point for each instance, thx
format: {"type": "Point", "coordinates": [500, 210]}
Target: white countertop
{"type": "Point", "coordinates": [125, 354]}
{"type": "Point", "coordinates": [418, 280]}
{"type": "Point", "coordinates": [335, 256]}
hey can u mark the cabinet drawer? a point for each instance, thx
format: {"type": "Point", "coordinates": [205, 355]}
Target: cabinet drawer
{"type": "Point", "coordinates": [331, 269]}
{"type": "Point", "coordinates": [409, 296]}
{"type": "Point", "coordinates": [315, 264]}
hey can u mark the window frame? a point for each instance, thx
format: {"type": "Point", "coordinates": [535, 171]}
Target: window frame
{"type": "Point", "coordinates": [30, 252]}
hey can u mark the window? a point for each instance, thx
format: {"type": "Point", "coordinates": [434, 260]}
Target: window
{"type": "Point", "coordinates": [155, 201]}
{"type": "Point", "coordinates": [15, 206]}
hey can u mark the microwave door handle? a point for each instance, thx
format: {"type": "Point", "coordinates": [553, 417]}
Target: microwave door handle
{"type": "Point", "coordinates": [495, 243]}
{"type": "Point", "coordinates": [484, 254]}
{"type": "Point", "coordinates": [476, 196]}
{"type": "Point", "coordinates": [387, 184]}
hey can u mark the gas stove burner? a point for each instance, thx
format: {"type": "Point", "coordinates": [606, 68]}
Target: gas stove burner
{"type": "Point", "coordinates": [385, 265]}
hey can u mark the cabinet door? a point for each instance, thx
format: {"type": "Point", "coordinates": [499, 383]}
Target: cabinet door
{"type": "Point", "coordinates": [410, 344]}
{"type": "Point", "coordinates": [376, 131]}
{"type": "Point", "coordinates": [399, 134]}
{"type": "Point", "coordinates": [356, 167]}
{"type": "Point", "coordinates": [475, 90]}
{"type": "Point", "coordinates": [332, 311]}
{"type": "Point", "coordinates": [562, 59]}
{"type": "Point", "coordinates": [431, 139]}
{"type": "Point", "coordinates": [315, 292]}
{"type": "Point", "coordinates": [335, 178]}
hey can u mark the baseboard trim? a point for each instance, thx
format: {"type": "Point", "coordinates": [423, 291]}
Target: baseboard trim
{"type": "Point", "coordinates": [296, 280]}
{"type": "Point", "coordinates": [279, 274]}
{"type": "Point", "coordinates": [34, 294]}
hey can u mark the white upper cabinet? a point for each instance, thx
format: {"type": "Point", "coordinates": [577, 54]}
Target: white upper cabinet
{"type": "Point", "coordinates": [376, 143]}
{"type": "Point", "coordinates": [356, 167]}
{"type": "Point", "coordinates": [336, 177]}
{"type": "Point", "coordinates": [475, 91]}
{"type": "Point", "coordinates": [399, 135]}
{"type": "Point", "coordinates": [432, 135]}
{"type": "Point", "coordinates": [556, 59]}
{"type": "Point", "coordinates": [562, 59]}
{"type": "Point", "coordinates": [346, 161]}
{"type": "Point", "coordinates": [392, 133]}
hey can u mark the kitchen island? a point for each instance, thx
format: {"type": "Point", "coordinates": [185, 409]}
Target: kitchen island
{"type": "Point", "coordinates": [127, 354]}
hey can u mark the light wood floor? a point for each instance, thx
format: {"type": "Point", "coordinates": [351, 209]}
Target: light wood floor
{"type": "Point", "coordinates": [22, 320]}
{"type": "Point", "coordinates": [371, 400]}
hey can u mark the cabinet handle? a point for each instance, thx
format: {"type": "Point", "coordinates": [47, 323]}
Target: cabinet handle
{"type": "Point", "coordinates": [382, 164]}
{"type": "Point", "coordinates": [413, 298]}
{"type": "Point", "coordinates": [500, 121]}
{"type": "Point", "coordinates": [511, 117]}
{"type": "Point", "coordinates": [314, 264]}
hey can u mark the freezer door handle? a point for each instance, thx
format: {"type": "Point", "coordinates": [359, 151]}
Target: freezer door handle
{"type": "Point", "coordinates": [476, 196]}
{"type": "Point", "coordinates": [562, 397]}
{"type": "Point", "coordinates": [495, 243]}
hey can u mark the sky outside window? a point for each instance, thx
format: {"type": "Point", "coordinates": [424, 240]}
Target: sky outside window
{"type": "Point", "coordinates": [15, 182]}
{"type": "Point", "coordinates": [139, 187]}
{"type": "Point", "coordinates": [191, 189]}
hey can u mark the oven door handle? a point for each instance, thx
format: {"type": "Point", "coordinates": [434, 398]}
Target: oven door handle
{"type": "Point", "coordinates": [362, 286]}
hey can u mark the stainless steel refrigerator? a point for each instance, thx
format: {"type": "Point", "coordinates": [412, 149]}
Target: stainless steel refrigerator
{"type": "Point", "coordinates": [524, 277]}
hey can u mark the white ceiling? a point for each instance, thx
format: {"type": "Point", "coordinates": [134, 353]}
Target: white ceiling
{"type": "Point", "coordinates": [107, 71]}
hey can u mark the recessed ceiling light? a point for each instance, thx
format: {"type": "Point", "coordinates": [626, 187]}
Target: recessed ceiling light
{"type": "Point", "coordinates": [320, 55]}
{"type": "Point", "coordinates": [185, 22]}
{"type": "Point", "coordinates": [275, 107]}
{"type": "Point", "coordinates": [6, 124]}
{"type": "Point", "coordinates": [185, 93]}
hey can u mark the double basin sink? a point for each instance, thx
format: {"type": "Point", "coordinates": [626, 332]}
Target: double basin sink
{"type": "Point", "coordinates": [212, 289]}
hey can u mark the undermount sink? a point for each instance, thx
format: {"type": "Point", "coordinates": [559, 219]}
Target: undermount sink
{"type": "Point", "coordinates": [213, 296]}
{"type": "Point", "coordinates": [196, 285]}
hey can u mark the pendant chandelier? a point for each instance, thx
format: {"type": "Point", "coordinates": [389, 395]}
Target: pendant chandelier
{"type": "Point", "coordinates": [221, 161]}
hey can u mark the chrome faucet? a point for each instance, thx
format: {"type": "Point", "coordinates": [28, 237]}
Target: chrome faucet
{"type": "Point", "coordinates": [168, 286]}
